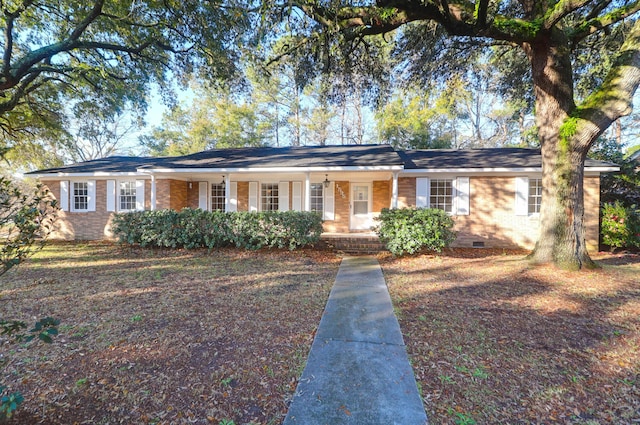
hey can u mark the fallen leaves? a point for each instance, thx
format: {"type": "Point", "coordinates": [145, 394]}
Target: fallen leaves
{"type": "Point", "coordinates": [494, 339]}
{"type": "Point", "coordinates": [164, 336]}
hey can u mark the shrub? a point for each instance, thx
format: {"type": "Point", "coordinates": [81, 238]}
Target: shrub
{"type": "Point", "coordinates": [411, 230]}
{"type": "Point", "coordinates": [620, 226]}
{"type": "Point", "coordinates": [195, 228]}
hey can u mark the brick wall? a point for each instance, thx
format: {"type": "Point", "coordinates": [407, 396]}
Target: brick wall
{"type": "Point", "coordinates": [381, 195]}
{"type": "Point", "coordinates": [83, 226]}
{"type": "Point", "coordinates": [492, 219]}
{"type": "Point", "coordinates": [193, 195]}
{"type": "Point", "coordinates": [170, 194]}
{"type": "Point", "coordinates": [406, 192]}
{"type": "Point", "coordinates": [243, 196]}
{"type": "Point", "coordinates": [341, 205]}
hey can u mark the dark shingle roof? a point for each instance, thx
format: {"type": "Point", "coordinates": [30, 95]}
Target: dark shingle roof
{"type": "Point", "coordinates": [112, 164]}
{"type": "Point", "coordinates": [303, 156]}
{"type": "Point", "coordinates": [320, 156]}
{"type": "Point", "coordinates": [489, 158]}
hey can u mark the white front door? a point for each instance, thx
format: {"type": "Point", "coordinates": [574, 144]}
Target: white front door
{"type": "Point", "coordinates": [361, 217]}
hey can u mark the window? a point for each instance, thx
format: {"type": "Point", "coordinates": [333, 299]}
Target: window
{"type": "Point", "coordinates": [80, 196]}
{"type": "Point", "coordinates": [218, 198]}
{"type": "Point", "coordinates": [269, 197]}
{"type": "Point", "coordinates": [317, 198]}
{"type": "Point", "coordinates": [535, 195]}
{"type": "Point", "coordinates": [127, 196]}
{"type": "Point", "coordinates": [441, 194]}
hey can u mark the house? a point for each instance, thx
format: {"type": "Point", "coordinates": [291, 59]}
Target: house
{"type": "Point", "coordinates": [493, 195]}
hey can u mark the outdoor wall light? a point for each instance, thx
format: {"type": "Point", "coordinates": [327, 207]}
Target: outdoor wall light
{"type": "Point", "coordinates": [326, 181]}
{"type": "Point", "coordinates": [223, 182]}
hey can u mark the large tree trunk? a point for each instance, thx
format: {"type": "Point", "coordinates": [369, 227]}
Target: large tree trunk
{"type": "Point", "coordinates": [562, 232]}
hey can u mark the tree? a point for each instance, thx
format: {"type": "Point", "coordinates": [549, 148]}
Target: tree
{"type": "Point", "coordinates": [57, 53]}
{"type": "Point", "coordinates": [215, 118]}
{"type": "Point", "coordinates": [547, 34]}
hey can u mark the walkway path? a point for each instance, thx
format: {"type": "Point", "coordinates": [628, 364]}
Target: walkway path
{"type": "Point", "coordinates": [357, 371]}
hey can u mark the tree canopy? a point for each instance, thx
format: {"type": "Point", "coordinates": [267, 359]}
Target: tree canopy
{"type": "Point", "coordinates": [111, 52]}
{"type": "Point", "coordinates": [551, 45]}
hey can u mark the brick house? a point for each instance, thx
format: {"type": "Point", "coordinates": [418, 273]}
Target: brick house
{"type": "Point", "coordinates": [493, 195]}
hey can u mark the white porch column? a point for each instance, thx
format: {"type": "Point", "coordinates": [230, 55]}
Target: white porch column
{"type": "Point", "coordinates": [153, 192]}
{"type": "Point", "coordinates": [307, 192]}
{"type": "Point", "coordinates": [394, 191]}
{"type": "Point", "coordinates": [227, 193]}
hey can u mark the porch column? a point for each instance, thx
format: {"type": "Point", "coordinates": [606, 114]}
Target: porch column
{"type": "Point", "coordinates": [394, 191]}
{"type": "Point", "coordinates": [307, 192]}
{"type": "Point", "coordinates": [153, 192]}
{"type": "Point", "coordinates": [227, 194]}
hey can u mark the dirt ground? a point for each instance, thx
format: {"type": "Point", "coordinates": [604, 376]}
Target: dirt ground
{"type": "Point", "coordinates": [178, 337]}
{"type": "Point", "coordinates": [494, 340]}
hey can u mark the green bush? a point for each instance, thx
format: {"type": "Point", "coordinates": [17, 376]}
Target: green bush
{"type": "Point", "coordinates": [620, 226]}
{"type": "Point", "coordinates": [411, 230]}
{"type": "Point", "coordinates": [195, 228]}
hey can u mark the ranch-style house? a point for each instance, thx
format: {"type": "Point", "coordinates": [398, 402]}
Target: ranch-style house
{"type": "Point", "coordinates": [493, 195]}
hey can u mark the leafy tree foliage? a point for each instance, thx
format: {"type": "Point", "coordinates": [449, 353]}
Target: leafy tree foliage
{"type": "Point", "coordinates": [26, 220]}
{"type": "Point", "coordinates": [58, 53]}
{"type": "Point", "coordinates": [438, 38]}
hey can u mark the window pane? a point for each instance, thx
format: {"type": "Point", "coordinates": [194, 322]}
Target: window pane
{"type": "Point", "coordinates": [317, 198]}
{"type": "Point", "coordinates": [269, 197]}
{"type": "Point", "coordinates": [80, 195]}
{"type": "Point", "coordinates": [218, 198]}
{"type": "Point", "coordinates": [361, 199]}
{"type": "Point", "coordinates": [535, 195]}
{"type": "Point", "coordinates": [441, 194]}
{"type": "Point", "coordinates": [127, 196]}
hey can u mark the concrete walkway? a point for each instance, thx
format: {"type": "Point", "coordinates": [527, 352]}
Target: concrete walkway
{"type": "Point", "coordinates": [357, 371]}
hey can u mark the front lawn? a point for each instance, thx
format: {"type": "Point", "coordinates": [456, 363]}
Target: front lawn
{"type": "Point", "coordinates": [495, 341]}
{"type": "Point", "coordinates": [175, 336]}
{"type": "Point", "coordinates": [163, 336]}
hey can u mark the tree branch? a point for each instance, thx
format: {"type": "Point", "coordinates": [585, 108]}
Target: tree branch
{"type": "Point", "coordinates": [596, 24]}
{"type": "Point", "coordinates": [614, 97]}
{"type": "Point", "coordinates": [560, 10]}
{"type": "Point", "coordinates": [84, 24]}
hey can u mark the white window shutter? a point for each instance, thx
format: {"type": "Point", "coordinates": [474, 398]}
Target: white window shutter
{"type": "Point", "coordinates": [202, 195]}
{"type": "Point", "coordinates": [111, 195]}
{"type": "Point", "coordinates": [140, 195]}
{"type": "Point", "coordinates": [329, 202]}
{"type": "Point", "coordinates": [233, 197]}
{"type": "Point", "coordinates": [253, 196]}
{"type": "Point", "coordinates": [462, 196]}
{"type": "Point", "coordinates": [296, 196]}
{"type": "Point", "coordinates": [64, 195]}
{"type": "Point", "coordinates": [522, 195]}
{"type": "Point", "coordinates": [422, 192]}
{"type": "Point", "coordinates": [91, 195]}
{"type": "Point", "coordinates": [283, 196]}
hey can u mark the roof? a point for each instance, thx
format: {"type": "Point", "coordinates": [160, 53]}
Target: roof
{"type": "Point", "coordinates": [483, 159]}
{"type": "Point", "coordinates": [361, 157]}
{"type": "Point", "coordinates": [287, 157]}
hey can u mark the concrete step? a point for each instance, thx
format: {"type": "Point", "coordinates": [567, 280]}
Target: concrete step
{"type": "Point", "coordinates": [353, 244]}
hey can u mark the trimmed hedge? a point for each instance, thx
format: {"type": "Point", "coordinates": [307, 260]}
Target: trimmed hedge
{"type": "Point", "coordinates": [195, 228]}
{"type": "Point", "coordinates": [409, 230]}
{"type": "Point", "coordinates": [620, 226]}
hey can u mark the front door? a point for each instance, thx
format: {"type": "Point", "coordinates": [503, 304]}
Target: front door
{"type": "Point", "coordinates": [361, 217]}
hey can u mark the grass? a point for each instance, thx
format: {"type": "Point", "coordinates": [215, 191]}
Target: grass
{"type": "Point", "coordinates": [494, 340]}
{"type": "Point", "coordinates": [162, 336]}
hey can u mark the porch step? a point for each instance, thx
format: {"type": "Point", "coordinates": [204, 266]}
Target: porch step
{"type": "Point", "coordinates": [353, 243]}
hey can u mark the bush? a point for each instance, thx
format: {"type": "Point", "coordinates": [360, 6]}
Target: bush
{"type": "Point", "coordinates": [620, 226]}
{"type": "Point", "coordinates": [411, 230]}
{"type": "Point", "coordinates": [195, 228]}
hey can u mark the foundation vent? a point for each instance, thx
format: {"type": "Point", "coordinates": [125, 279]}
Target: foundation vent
{"type": "Point", "coordinates": [478, 244]}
